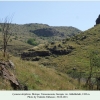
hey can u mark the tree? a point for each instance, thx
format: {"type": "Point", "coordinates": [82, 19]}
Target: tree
{"type": "Point", "coordinates": [94, 66]}
{"type": "Point", "coordinates": [6, 33]}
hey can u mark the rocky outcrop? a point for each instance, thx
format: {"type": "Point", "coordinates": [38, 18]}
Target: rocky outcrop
{"type": "Point", "coordinates": [41, 53]}
{"type": "Point", "coordinates": [61, 51]}
{"type": "Point", "coordinates": [36, 54]}
{"type": "Point", "coordinates": [98, 20]}
{"type": "Point", "coordinates": [7, 74]}
{"type": "Point", "coordinates": [47, 32]}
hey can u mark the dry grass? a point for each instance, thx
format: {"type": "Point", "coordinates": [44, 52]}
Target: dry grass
{"type": "Point", "coordinates": [38, 77]}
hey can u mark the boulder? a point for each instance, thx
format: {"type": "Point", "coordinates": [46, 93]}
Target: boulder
{"type": "Point", "coordinates": [8, 75]}
{"type": "Point", "coordinates": [98, 20]}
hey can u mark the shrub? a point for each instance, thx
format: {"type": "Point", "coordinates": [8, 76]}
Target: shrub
{"type": "Point", "coordinates": [32, 42]}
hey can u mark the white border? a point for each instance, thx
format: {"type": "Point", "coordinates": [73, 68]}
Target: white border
{"type": "Point", "coordinates": [49, 95]}
{"type": "Point", "coordinates": [9, 95]}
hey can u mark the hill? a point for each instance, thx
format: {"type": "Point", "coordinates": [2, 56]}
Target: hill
{"type": "Point", "coordinates": [35, 77]}
{"type": "Point", "coordinates": [83, 49]}
{"type": "Point", "coordinates": [73, 61]}
{"type": "Point", "coordinates": [44, 32]}
{"type": "Point", "coordinates": [35, 26]}
{"type": "Point", "coordinates": [47, 32]}
{"type": "Point", "coordinates": [40, 33]}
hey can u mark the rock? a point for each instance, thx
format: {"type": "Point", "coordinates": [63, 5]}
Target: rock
{"type": "Point", "coordinates": [41, 53]}
{"type": "Point", "coordinates": [36, 55]}
{"type": "Point", "coordinates": [6, 74]}
{"type": "Point", "coordinates": [8, 64]}
{"type": "Point", "coordinates": [25, 87]}
{"type": "Point", "coordinates": [47, 32]}
{"type": "Point", "coordinates": [11, 64]}
{"type": "Point", "coordinates": [36, 59]}
{"type": "Point", "coordinates": [60, 50]}
{"type": "Point", "coordinates": [98, 20]}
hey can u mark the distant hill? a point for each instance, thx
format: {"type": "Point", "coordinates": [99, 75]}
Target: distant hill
{"type": "Point", "coordinates": [68, 31]}
{"type": "Point", "coordinates": [61, 32]}
{"type": "Point", "coordinates": [44, 30]}
{"type": "Point", "coordinates": [47, 32]}
{"type": "Point", "coordinates": [41, 33]}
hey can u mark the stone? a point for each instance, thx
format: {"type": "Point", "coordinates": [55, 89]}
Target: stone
{"type": "Point", "coordinates": [8, 75]}
{"type": "Point", "coordinates": [11, 64]}
{"type": "Point", "coordinates": [41, 53]}
{"type": "Point", "coordinates": [98, 20]}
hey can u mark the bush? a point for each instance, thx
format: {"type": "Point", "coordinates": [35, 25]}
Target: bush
{"type": "Point", "coordinates": [32, 42]}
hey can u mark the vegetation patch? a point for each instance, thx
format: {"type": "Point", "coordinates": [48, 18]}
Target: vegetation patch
{"type": "Point", "coordinates": [32, 41]}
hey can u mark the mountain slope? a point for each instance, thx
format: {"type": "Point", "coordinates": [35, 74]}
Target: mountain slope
{"type": "Point", "coordinates": [28, 28]}
{"type": "Point", "coordinates": [37, 77]}
{"type": "Point", "coordinates": [41, 33]}
{"type": "Point", "coordinates": [77, 62]}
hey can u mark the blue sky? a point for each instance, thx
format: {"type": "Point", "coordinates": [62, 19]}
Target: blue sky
{"type": "Point", "coordinates": [79, 14]}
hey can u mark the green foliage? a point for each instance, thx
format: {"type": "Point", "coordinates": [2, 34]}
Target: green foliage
{"type": "Point", "coordinates": [32, 41]}
{"type": "Point", "coordinates": [0, 29]}
{"type": "Point", "coordinates": [95, 58]}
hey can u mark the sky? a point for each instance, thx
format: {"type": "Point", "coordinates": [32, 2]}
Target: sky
{"type": "Point", "coordinates": [79, 14]}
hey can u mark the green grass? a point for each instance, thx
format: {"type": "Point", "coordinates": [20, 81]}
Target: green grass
{"type": "Point", "coordinates": [41, 78]}
{"type": "Point", "coordinates": [79, 58]}
{"type": "Point", "coordinates": [38, 77]}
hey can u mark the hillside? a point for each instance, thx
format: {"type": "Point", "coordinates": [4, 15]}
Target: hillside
{"type": "Point", "coordinates": [41, 33]}
{"type": "Point", "coordinates": [30, 28]}
{"type": "Point", "coordinates": [82, 49]}
{"type": "Point", "coordinates": [33, 75]}
{"type": "Point", "coordinates": [36, 77]}
{"type": "Point", "coordinates": [69, 64]}
{"type": "Point", "coordinates": [47, 32]}
{"type": "Point", "coordinates": [68, 31]}
{"type": "Point", "coordinates": [44, 33]}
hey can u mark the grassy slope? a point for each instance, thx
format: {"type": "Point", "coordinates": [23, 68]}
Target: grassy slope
{"type": "Point", "coordinates": [70, 31]}
{"type": "Point", "coordinates": [80, 57]}
{"type": "Point", "coordinates": [37, 77]}
{"type": "Point", "coordinates": [54, 76]}
{"type": "Point", "coordinates": [84, 47]}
